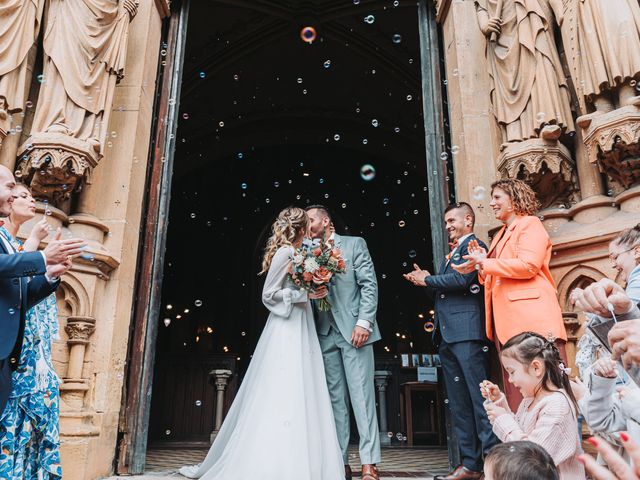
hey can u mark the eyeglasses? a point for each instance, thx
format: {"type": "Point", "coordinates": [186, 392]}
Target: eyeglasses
{"type": "Point", "coordinates": [614, 256]}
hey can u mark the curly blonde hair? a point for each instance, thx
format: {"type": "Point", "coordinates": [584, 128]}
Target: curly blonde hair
{"type": "Point", "coordinates": [522, 195]}
{"type": "Point", "coordinates": [290, 222]}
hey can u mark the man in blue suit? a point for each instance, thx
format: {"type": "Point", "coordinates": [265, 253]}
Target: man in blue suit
{"type": "Point", "coordinates": [25, 280]}
{"type": "Point", "coordinates": [463, 348]}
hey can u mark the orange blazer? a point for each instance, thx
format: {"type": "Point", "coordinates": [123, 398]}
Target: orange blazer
{"type": "Point", "coordinates": [520, 295]}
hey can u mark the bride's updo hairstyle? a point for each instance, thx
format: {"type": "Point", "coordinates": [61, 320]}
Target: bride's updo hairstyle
{"type": "Point", "coordinates": [291, 222]}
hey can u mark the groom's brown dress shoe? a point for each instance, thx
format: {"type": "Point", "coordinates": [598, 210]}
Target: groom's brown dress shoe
{"type": "Point", "coordinates": [348, 474]}
{"type": "Point", "coordinates": [460, 473]}
{"type": "Point", "coordinates": [370, 472]}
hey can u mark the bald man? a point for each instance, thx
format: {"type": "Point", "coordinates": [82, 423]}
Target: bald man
{"type": "Point", "coordinates": [25, 280]}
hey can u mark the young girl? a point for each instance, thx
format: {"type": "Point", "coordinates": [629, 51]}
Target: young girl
{"type": "Point", "coordinates": [548, 414]}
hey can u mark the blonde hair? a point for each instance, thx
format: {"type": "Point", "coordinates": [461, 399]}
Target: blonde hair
{"type": "Point", "coordinates": [522, 195]}
{"type": "Point", "coordinates": [290, 222]}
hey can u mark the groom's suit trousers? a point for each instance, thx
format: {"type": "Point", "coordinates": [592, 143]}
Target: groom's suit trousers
{"type": "Point", "coordinates": [350, 375]}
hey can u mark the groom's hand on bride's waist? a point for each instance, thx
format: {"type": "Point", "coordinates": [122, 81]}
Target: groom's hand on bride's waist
{"type": "Point", "coordinates": [359, 336]}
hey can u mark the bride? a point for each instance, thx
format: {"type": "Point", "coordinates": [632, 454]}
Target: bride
{"type": "Point", "coordinates": [280, 426]}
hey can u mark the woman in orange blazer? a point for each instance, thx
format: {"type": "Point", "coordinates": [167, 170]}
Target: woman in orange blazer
{"type": "Point", "coordinates": [520, 295]}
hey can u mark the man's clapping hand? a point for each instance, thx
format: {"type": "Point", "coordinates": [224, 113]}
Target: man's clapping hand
{"type": "Point", "coordinates": [59, 251]}
{"type": "Point", "coordinates": [417, 277]}
{"type": "Point", "coordinates": [55, 271]}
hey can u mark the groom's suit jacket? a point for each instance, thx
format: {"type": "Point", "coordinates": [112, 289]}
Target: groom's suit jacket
{"type": "Point", "coordinates": [18, 293]}
{"type": "Point", "coordinates": [459, 312]}
{"type": "Point", "coordinates": [353, 295]}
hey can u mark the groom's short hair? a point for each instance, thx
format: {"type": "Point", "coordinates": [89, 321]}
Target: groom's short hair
{"type": "Point", "coordinates": [322, 209]}
{"type": "Point", "coordinates": [466, 210]}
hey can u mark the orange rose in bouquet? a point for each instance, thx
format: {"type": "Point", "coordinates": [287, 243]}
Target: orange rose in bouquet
{"type": "Point", "coordinates": [313, 266]}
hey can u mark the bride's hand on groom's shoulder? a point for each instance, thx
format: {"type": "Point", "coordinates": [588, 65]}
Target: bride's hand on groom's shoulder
{"type": "Point", "coordinates": [319, 293]}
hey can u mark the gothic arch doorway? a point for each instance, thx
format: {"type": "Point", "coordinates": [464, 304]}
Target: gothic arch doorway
{"type": "Point", "coordinates": [255, 118]}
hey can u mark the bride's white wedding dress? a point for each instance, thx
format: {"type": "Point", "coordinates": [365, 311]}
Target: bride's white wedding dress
{"type": "Point", "coordinates": [280, 426]}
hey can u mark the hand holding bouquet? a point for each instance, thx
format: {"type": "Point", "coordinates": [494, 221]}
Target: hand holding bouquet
{"type": "Point", "coordinates": [313, 266]}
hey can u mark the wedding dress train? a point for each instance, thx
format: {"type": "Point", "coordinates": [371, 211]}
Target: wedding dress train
{"type": "Point", "coordinates": [280, 426]}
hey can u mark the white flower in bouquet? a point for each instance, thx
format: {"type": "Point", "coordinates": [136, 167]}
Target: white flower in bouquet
{"type": "Point", "coordinates": [311, 265]}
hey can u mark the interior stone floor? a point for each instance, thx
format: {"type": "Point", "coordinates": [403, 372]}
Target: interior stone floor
{"type": "Point", "coordinates": [417, 463]}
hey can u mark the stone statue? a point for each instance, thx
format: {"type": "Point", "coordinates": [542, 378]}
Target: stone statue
{"type": "Point", "coordinates": [530, 96]}
{"type": "Point", "coordinates": [19, 28]}
{"type": "Point", "coordinates": [84, 55]}
{"type": "Point", "coordinates": [602, 44]}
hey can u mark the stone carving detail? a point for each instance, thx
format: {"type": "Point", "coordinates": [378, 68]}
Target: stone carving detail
{"type": "Point", "coordinates": [55, 168]}
{"type": "Point", "coordinates": [613, 143]}
{"type": "Point", "coordinates": [546, 165]}
{"type": "Point", "coordinates": [84, 53]}
{"type": "Point", "coordinates": [79, 329]}
{"type": "Point", "coordinates": [602, 42]}
{"type": "Point", "coordinates": [529, 93]}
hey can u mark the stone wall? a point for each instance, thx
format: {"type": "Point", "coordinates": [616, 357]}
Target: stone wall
{"type": "Point", "coordinates": [94, 182]}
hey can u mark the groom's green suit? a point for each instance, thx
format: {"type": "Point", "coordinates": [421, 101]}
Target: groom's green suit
{"type": "Point", "coordinates": [349, 370]}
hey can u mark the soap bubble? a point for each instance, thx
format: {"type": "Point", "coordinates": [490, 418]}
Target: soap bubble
{"type": "Point", "coordinates": [485, 349]}
{"type": "Point", "coordinates": [479, 192]}
{"type": "Point", "coordinates": [412, 254]}
{"type": "Point", "coordinates": [429, 327]}
{"type": "Point", "coordinates": [198, 303]}
{"type": "Point", "coordinates": [327, 63]}
{"type": "Point", "coordinates": [202, 74]}
{"type": "Point", "coordinates": [308, 34]}
{"type": "Point", "coordinates": [336, 137]}
{"type": "Point", "coordinates": [167, 322]}
{"type": "Point", "coordinates": [397, 38]}
{"type": "Point", "coordinates": [198, 403]}
{"type": "Point", "coordinates": [401, 223]}
{"type": "Point", "coordinates": [369, 19]}
{"type": "Point", "coordinates": [375, 122]}
{"type": "Point", "coordinates": [367, 172]}
{"type": "Point", "coordinates": [409, 98]}
{"type": "Point", "coordinates": [474, 289]}
{"type": "Point", "coordinates": [456, 379]}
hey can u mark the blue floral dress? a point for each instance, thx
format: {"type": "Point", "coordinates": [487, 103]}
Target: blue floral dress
{"type": "Point", "coordinates": [29, 425]}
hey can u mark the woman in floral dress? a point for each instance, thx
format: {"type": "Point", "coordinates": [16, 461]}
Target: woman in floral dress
{"type": "Point", "coordinates": [29, 424]}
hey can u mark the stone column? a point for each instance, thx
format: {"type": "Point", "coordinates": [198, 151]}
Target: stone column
{"type": "Point", "coordinates": [475, 139]}
{"type": "Point", "coordinates": [382, 379]}
{"type": "Point", "coordinates": [221, 379]}
{"type": "Point", "coordinates": [79, 329]}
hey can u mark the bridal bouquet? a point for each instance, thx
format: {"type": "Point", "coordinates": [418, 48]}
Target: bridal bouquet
{"type": "Point", "coordinates": [314, 265]}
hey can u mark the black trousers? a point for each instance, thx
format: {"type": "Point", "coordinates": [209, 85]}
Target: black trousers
{"type": "Point", "coordinates": [464, 366]}
{"type": "Point", "coordinates": [5, 383]}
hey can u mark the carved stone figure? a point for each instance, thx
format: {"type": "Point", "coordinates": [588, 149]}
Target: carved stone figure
{"type": "Point", "coordinates": [19, 27]}
{"type": "Point", "coordinates": [602, 44]}
{"type": "Point", "coordinates": [84, 45]}
{"type": "Point", "coordinates": [84, 54]}
{"type": "Point", "coordinates": [529, 88]}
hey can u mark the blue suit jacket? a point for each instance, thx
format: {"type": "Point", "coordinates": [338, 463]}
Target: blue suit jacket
{"type": "Point", "coordinates": [18, 294]}
{"type": "Point", "coordinates": [459, 300]}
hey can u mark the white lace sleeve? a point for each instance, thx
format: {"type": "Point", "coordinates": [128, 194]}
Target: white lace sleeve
{"type": "Point", "coordinates": [277, 297]}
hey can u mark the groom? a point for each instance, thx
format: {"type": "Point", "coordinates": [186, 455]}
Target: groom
{"type": "Point", "coordinates": [346, 335]}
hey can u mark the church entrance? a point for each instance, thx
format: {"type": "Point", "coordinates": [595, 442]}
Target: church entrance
{"type": "Point", "coordinates": [295, 103]}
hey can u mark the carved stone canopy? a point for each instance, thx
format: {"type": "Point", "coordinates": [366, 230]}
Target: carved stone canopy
{"type": "Point", "coordinates": [55, 166]}
{"type": "Point", "coordinates": [613, 143]}
{"type": "Point", "coordinates": [545, 165]}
